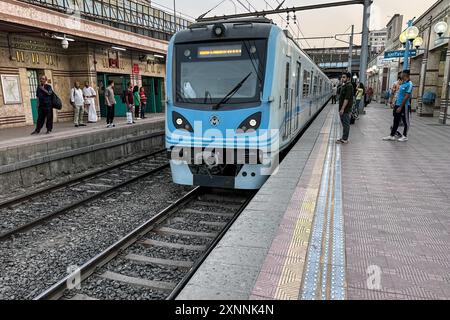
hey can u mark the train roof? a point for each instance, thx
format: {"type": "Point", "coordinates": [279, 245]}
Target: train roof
{"type": "Point", "coordinates": [249, 20]}
{"type": "Point", "coordinates": [257, 28]}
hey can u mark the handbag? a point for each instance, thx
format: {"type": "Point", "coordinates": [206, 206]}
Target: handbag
{"type": "Point", "coordinates": [56, 102]}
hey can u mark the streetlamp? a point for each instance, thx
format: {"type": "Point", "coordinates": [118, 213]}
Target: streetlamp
{"type": "Point", "coordinates": [441, 28]}
{"type": "Point", "coordinates": [418, 42]}
{"type": "Point", "coordinates": [408, 37]}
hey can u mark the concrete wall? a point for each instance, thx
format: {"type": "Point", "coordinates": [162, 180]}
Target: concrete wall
{"type": "Point", "coordinates": [27, 165]}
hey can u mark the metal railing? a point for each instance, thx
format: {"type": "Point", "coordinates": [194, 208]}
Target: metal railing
{"type": "Point", "coordinates": [135, 16]}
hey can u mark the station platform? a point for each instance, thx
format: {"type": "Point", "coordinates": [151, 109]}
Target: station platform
{"type": "Point", "coordinates": [28, 161]}
{"type": "Point", "coordinates": [22, 135]}
{"type": "Point", "coordinates": [366, 220]}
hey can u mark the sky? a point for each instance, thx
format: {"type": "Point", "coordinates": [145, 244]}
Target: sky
{"type": "Point", "coordinates": [322, 22]}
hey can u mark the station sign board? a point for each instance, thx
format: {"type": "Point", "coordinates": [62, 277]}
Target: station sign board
{"type": "Point", "coordinates": [399, 54]}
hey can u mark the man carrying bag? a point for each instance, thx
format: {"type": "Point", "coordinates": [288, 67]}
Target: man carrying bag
{"type": "Point", "coordinates": [45, 97]}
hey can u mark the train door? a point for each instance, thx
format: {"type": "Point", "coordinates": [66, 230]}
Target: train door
{"type": "Point", "coordinates": [297, 108]}
{"type": "Point", "coordinates": [287, 101]}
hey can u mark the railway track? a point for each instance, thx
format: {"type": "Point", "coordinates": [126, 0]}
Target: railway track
{"type": "Point", "coordinates": [31, 210]}
{"type": "Point", "coordinates": [157, 259]}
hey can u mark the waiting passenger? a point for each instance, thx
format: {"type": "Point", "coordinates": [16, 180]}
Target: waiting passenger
{"type": "Point", "coordinates": [77, 101]}
{"type": "Point", "coordinates": [44, 93]}
{"type": "Point", "coordinates": [359, 97]}
{"type": "Point", "coordinates": [143, 102]}
{"type": "Point", "coordinates": [334, 95]}
{"type": "Point", "coordinates": [89, 99]}
{"type": "Point", "coordinates": [402, 108]}
{"type": "Point", "coordinates": [110, 101]}
{"type": "Point", "coordinates": [345, 106]}
{"type": "Point", "coordinates": [137, 102]}
{"type": "Point", "coordinates": [129, 101]}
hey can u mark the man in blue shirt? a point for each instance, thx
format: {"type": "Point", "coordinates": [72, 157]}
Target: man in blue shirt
{"type": "Point", "coordinates": [402, 108]}
{"type": "Point", "coordinates": [44, 95]}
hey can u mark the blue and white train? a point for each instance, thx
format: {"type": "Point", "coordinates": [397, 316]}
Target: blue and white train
{"type": "Point", "coordinates": [238, 93]}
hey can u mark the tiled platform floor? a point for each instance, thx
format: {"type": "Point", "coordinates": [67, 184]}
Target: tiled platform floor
{"type": "Point", "coordinates": [21, 135]}
{"type": "Point", "coordinates": [397, 209]}
{"type": "Point", "coordinates": [395, 230]}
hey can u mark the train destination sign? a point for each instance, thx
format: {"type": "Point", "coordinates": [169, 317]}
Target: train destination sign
{"type": "Point", "coordinates": [399, 54]}
{"type": "Point", "coordinates": [220, 51]}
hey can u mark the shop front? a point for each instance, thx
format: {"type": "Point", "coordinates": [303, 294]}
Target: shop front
{"type": "Point", "coordinates": [123, 67]}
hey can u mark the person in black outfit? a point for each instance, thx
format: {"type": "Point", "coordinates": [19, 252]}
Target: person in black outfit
{"type": "Point", "coordinates": [44, 105]}
{"type": "Point", "coordinates": [345, 106]}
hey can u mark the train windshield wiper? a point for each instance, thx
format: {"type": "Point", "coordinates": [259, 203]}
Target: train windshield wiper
{"type": "Point", "coordinates": [232, 92]}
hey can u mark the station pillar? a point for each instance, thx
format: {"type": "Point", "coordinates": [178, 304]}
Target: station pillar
{"type": "Point", "coordinates": [444, 114]}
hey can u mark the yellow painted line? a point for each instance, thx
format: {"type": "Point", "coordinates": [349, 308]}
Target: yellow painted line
{"type": "Point", "coordinates": [289, 284]}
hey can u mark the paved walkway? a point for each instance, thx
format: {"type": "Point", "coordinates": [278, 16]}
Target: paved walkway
{"type": "Point", "coordinates": [21, 135]}
{"type": "Point", "coordinates": [397, 210]}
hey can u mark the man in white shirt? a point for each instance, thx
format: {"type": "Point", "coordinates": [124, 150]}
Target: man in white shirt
{"type": "Point", "coordinates": [89, 100]}
{"type": "Point", "coordinates": [77, 101]}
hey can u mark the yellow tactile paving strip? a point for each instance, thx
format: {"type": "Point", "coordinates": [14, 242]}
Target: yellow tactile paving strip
{"type": "Point", "coordinates": [282, 272]}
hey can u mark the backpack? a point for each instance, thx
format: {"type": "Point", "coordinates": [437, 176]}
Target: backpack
{"type": "Point", "coordinates": [124, 96]}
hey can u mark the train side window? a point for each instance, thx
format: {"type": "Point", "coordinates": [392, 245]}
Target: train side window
{"type": "Point", "coordinates": [311, 92]}
{"type": "Point", "coordinates": [316, 82]}
{"type": "Point", "coordinates": [306, 82]}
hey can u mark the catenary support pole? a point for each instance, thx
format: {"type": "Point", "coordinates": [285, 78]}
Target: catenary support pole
{"type": "Point", "coordinates": [350, 50]}
{"type": "Point", "coordinates": [365, 42]}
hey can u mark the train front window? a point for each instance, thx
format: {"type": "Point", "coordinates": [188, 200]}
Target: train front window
{"type": "Point", "coordinates": [207, 72]}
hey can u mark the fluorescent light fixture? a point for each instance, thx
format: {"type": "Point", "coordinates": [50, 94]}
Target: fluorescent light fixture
{"type": "Point", "coordinates": [62, 38]}
{"type": "Point", "coordinates": [118, 48]}
{"type": "Point", "coordinates": [159, 56]}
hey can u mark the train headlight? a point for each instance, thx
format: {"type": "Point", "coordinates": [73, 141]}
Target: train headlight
{"type": "Point", "coordinates": [250, 124]}
{"type": "Point", "coordinates": [219, 30]}
{"type": "Point", "coordinates": [180, 122]}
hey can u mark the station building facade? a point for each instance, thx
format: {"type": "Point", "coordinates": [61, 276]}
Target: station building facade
{"type": "Point", "coordinates": [429, 75]}
{"type": "Point", "coordinates": [30, 57]}
{"type": "Point", "coordinates": [97, 53]}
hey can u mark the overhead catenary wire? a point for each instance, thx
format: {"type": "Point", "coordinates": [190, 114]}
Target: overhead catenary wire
{"type": "Point", "coordinates": [298, 26]}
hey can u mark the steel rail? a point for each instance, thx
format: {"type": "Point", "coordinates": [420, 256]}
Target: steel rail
{"type": "Point", "coordinates": [57, 290]}
{"type": "Point", "coordinates": [176, 291]}
{"type": "Point", "coordinates": [63, 184]}
{"type": "Point", "coordinates": [39, 221]}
